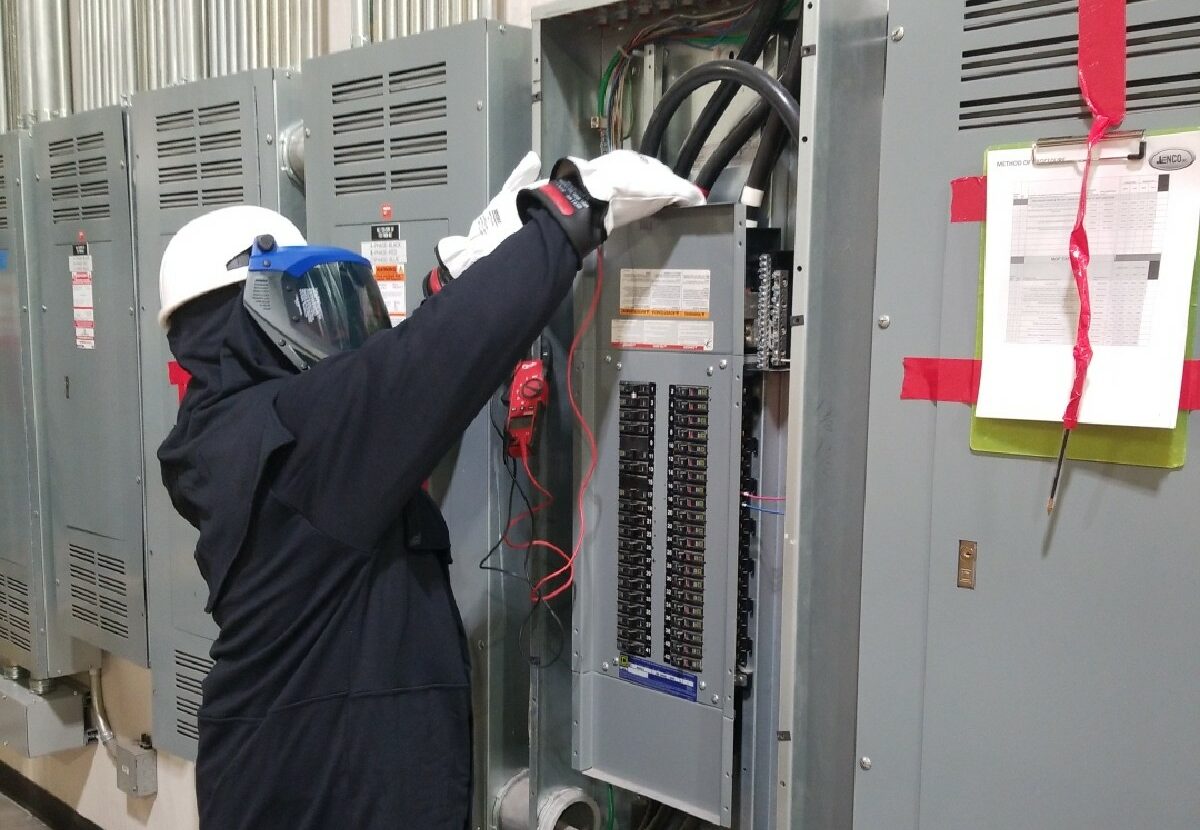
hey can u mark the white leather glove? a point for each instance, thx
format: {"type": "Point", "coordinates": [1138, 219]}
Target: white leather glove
{"type": "Point", "coordinates": [635, 186]}
{"type": "Point", "coordinates": [497, 222]}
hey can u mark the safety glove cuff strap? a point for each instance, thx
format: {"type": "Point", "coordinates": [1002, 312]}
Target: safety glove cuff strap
{"type": "Point", "coordinates": [565, 198]}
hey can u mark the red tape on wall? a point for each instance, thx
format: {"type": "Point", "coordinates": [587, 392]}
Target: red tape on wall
{"type": "Point", "coordinates": [956, 380]}
{"type": "Point", "coordinates": [968, 199]}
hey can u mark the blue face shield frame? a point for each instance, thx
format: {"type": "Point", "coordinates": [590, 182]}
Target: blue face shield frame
{"type": "Point", "coordinates": [312, 301]}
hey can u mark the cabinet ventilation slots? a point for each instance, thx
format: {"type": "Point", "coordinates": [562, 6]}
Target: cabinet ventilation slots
{"type": "Point", "coordinates": [190, 671]}
{"type": "Point", "coordinates": [79, 181]}
{"type": "Point", "coordinates": [98, 587]}
{"type": "Point", "coordinates": [185, 179]}
{"type": "Point", "coordinates": [14, 612]}
{"type": "Point", "coordinates": [381, 121]}
{"type": "Point", "coordinates": [994, 62]}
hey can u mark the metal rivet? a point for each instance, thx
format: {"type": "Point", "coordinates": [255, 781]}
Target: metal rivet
{"type": "Point", "coordinates": [897, 34]}
{"type": "Point", "coordinates": [710, 371]}
{"type": "Point", "coordinates": [44, 308]}
{"type": "Point", "coordinates": [724, 364]}
{"type": "Point", "coordinates": [479, 645]}
{"type": "Point", "coordinates": [307, 132]}
{"type": "Point", "coordinates": [864, 762]}
{"type": "Point", "coordinates": [620, 365]}
{"type": "Point", "coordinates": [716, 698]}
{"type": "Point", "coordinates": [884, 321]}
{"type": "Point", "coordinates": [138, 479]}
{"type": "Point", "coordinates": [270, 139]}
{"type": "Point", "coordinates": [479, 105]}
{"type": "Point", "coordinates": [703, 685]}
{"type": "Point", "coordinates": [604, 665]}
{"type": "Point", "coordinates": [502, 30]}
{"type": "Point", "coordinates": [608, 358]}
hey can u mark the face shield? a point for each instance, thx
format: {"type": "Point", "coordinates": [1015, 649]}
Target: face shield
{"type": "Point", "coordinates": [311, 301]}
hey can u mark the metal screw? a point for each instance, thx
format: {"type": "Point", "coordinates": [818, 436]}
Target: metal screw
{"type": "Point", "coordinates": [131, 311]}
{"type": "Point", "coordinates": [864, 762]}
{"type": "Point", "coordinates": [897, 34]}
{"type": "Point", "coordinates": [122, 164]}
{"type": "Point", "coordinates": [479, 105]}
{"type": "Point", "coordinates": [608, 358]}
{"type": "Point", "coordinates": [884, 321]}
{"type": "Point", "coordinates": [724, 364]}
{"type": "Point", "coordinates": [270, 139]}
{"type": "Point", "coordinates": [44, 308]}
{"type": "Point", "coordinates": [703, 685]}
{"type": "Point", "coordinates": [604, 665]}
{"type": "Point", "coordinates": [716, 698]}
{"type": "Point", "coordinates": [138, 480]}
{"type": "Point", "coordinates": [502, 30]}
{"type": "Point", "coordinates": [307, 132]}
{"type": "Point", "coordinates": [619, 365]}
{"type": "Point", "coordinates": [710, 371]}
{"type": "Point", "coordinates": [25, 308]}
{"type": "Point", "coordinates": [479, 645]}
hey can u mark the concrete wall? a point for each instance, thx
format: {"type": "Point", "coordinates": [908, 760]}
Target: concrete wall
{"type": "Point", "coordinates": [86, 779]}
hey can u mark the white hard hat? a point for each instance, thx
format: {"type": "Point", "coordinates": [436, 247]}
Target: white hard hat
{"type": "Point", "coordinates": [196, 259]}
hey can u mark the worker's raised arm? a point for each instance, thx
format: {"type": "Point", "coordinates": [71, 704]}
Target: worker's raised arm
{"type": "Point", "coordinates": [371, 424]}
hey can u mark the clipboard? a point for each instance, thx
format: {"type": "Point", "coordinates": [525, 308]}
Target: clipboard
{"type": "Point", "coordinates": [1131, 446]}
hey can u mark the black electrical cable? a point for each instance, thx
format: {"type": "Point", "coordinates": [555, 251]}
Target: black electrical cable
{"type": "Point", "coordinates": [752, 49]}
{"type": "Point", "coordinates": [732, 144]}
{"type": "Point", "coordinates": [770, 148]}
{"type": "Point", "coordinates": [773, 92]}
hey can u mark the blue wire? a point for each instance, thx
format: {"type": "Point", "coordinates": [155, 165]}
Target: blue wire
{"type": "Point", "coordinates": [763, 510]}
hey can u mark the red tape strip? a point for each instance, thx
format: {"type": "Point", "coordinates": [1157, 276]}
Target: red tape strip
{"type": "Point", "coordinates": [178, 377]}
{"type": "Point", "coordinates": [950, 380]}
{"type": "Point", "coordinates": [1102, 57]}
{"type": "Point", "coordinates": [956, 380]}
{"type": "Point", "coordinates": [968, 199]}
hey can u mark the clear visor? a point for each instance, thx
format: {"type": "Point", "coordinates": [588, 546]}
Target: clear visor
{"type": "Point", "coordinates": [336, 304]}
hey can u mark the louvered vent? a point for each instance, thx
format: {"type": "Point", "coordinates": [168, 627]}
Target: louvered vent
{"type": "Point", "coordinates": [14, 613]}
{"type": "Point", "coordinates": [200, 157]}
{"type": "Point", "coordinates": [79, 179]}
{"type": "Point", "coordinates": [190, 671]}
{"type": "Point", "coordinates": [990, 56]}
{"type": "Point", "coordinates": [3, 192]}
{"type": "Point", "coordinates": [98, 590]}
{"type": "Point", "coordinates": [389, 131]}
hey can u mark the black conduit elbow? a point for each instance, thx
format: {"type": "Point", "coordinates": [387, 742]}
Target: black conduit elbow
{"type": "Point", "coordinates": [739, 72]}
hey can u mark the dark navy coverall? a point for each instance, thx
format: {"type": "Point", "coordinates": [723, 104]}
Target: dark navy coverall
{"type": "Point", "coordinates": [340, 697]}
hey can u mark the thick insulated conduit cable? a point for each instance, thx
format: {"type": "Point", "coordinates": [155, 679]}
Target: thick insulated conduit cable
{"type": "Point", "coordinates": [731, 145]}
{"type": "Point", "coordinates": [752, 49]}
{"type": "Point", "coordinates": [771, 146]}
{"type": "Point", "coordinates": [773, 92]}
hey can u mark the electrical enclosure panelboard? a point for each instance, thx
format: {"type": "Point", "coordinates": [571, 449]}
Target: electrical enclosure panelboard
{"type": "Point", "coordinates": [196, 148]}
{"type": "Point", "coordinates": [664, 607]}
{"type": "Point", "coordinates": [90, 379]}
{"type": "Point", "coordinates": [31, 635]}
{"type": "Point", "coordinates": [1060, 690]}
{"type": "Point", "coordinates": [408, 140]}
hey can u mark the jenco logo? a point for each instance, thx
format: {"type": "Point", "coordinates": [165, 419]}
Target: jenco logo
{"type": "Point", "coordinates": [1174, 159]}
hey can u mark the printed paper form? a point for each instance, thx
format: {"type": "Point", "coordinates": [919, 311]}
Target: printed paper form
{"type": "Point", "coordinates": [1142, 223]}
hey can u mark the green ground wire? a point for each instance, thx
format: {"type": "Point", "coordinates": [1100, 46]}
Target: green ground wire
{"type": "Point", "coordinates": [612, 811]}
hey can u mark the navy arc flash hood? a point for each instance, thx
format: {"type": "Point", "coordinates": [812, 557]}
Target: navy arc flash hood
{"type": "Point", "coordinates": [227, 429]}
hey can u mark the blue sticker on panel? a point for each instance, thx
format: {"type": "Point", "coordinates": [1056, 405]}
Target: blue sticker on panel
{"type": "Point", "coordinates": [3, 259]}
{"type": "Point", "coordinates": [659, 678]}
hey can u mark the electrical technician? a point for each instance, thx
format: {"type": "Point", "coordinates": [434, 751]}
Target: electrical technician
{"type": "Point", "coordinates": [340, 693]}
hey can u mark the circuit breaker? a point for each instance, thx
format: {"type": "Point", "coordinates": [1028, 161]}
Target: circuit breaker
{"type": "Point", "coordinates": [89, 372]}
{"type": "Point", "coordinates": [408, 142]}
{"type": "Point", "coordinates": [196, 148]}
{"type": "Point", "coordinates": [31, 635]}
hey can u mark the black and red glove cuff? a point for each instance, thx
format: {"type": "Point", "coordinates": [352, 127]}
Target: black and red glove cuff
{"type": "Point", "coordinates": [565, 198]}
{"type": "Point", "coordinates": [437, 279]}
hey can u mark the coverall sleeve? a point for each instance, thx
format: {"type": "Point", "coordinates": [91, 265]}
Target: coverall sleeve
{"type": "Point", "coordinates": [370, 425]}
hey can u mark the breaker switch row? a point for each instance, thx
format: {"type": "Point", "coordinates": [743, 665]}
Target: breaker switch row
{"type": "Point", "coordinates": [687, 526]}
{"type": "Point", "coordinates": [635, 516]}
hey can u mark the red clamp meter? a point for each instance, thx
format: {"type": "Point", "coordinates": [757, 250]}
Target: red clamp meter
{"type": "Point", "coordinates": [528, 393]}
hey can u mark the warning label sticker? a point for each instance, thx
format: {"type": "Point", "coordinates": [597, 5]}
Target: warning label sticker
{"type": "Point", "coordinates": [388, 254]}
{"type": "Point", "coordinates": [665, 292]}
{"type": "Point", "coordinates": [658, 677]}
{"type": "Point", "coordinates": [675, 335]}
{"type": "Point", "coordinates": [82, 297]}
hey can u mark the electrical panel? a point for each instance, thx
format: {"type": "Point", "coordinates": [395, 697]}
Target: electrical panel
{"type": "Point", "coordinates": [31, 635]}
{"type": "Point", "coordinates": [408, 141]}
{"type": "Point", "coordinates": [666, 601]}
{"type": "Point", "coordinates": [196, 148]}
{"type": "Point", "coordinates": [89, 375]}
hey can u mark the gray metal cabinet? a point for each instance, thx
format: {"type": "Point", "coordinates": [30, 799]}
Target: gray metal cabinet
{"type": "Point", "coordinates": [90, 375]}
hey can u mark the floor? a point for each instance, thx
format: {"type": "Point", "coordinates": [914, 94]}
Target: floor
{"type": "Point", "coordinates": [15, 817]}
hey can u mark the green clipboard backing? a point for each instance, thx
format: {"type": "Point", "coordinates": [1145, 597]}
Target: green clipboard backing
{"type": "Point", "coordinates": [1163, 448]}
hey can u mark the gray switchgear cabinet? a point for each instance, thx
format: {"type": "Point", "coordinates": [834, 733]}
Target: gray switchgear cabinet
{"type": "Point", "coordinates": [85, 256]}
{"type": "Point", "coordinates": [196, 148]}
{"type": "Point", "coordinates": [31, 635]}
{"type": "Point", "coordinates": [408, 140]}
